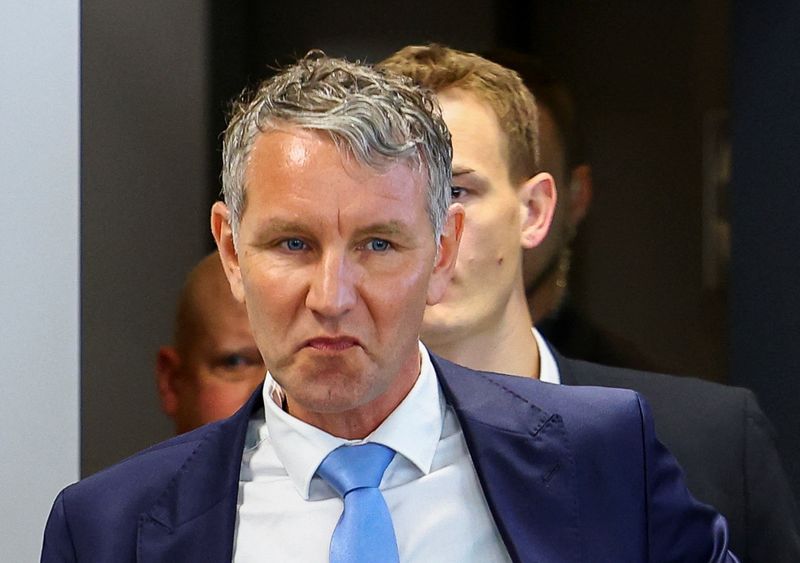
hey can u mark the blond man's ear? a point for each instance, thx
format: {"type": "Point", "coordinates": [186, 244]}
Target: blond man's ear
{"type": "Point", "coordinates": [537, 205]}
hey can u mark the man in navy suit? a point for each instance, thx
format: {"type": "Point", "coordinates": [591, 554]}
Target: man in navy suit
{"type": "Point", "coordinates": [336, 232]}
{"type": "Point", "coordinates": [717, 433]}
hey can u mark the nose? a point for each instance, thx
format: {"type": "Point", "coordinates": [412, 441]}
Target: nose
{"type": "Point", "coordinates": [332, 292]}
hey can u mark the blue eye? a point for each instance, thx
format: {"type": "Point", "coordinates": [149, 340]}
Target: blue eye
{"type": "Point", "coordinates": [294, 244]}
{"type": "Point", "coordinates": [378, 245]}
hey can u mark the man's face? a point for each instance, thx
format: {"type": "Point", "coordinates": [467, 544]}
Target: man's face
{"type": "Point", "coordinates": [215, 371]}
{"type": "Point", "coordinates": [489, 261]}
{"type": "Point", "coordinates": [335, 263]}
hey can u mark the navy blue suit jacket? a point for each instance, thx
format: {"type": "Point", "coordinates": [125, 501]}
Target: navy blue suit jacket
{"type": "Point", "coordinates": [569, 473]}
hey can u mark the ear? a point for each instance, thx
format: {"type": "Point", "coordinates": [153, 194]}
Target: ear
{"type": "Point", "coordinates": [167, 371]}
{"type": "Point", "coordinates": [223, 235]}
{"type": "Point", "coordinates": [537, 205]}
{"type": "Point", "coordinates": [581, 188]}
{"type": "Point", "coordinates": [447, 254]}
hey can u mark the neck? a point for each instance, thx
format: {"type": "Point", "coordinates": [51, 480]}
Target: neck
{"type": "Point", "coordinates": [506, 345]}
{"type": "Point", "coordinates": [546, 298]}
{"type": "Point", "coordinates": [546, 293]}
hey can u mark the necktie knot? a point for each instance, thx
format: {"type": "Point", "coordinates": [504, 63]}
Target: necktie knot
{"type": "Point", "coordinates": [364, 533]}
{"type": "Point", "coordinates": [355, 467]}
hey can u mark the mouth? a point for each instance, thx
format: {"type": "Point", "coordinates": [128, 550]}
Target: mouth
{"type": "Point", "coordinates": [332, 344]}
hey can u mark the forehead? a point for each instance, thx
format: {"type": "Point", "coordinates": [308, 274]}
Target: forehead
{"type": "Point", "coordinates": [478, 138]}
{"type": "Point", "coordinates": [297, 169]}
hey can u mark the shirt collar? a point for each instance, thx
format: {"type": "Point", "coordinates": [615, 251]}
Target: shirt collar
{"type": "Point", "coordinates": [548, 368]}
{"type": "Point", "coordinates": [413, 429]}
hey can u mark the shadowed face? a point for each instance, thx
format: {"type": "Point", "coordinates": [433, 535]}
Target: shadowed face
{"type": "Point", "coordinates": [336, 262]}
{"type": "Point", "coordinates": [215, 366]}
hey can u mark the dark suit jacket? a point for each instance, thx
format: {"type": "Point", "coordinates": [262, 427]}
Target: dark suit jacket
{"type": "Point", "coordinates": [569, 473]}
{"type": "Point", "coordinates": [724, 443]}
{"type": "Point", "coordinates": [575, 335]}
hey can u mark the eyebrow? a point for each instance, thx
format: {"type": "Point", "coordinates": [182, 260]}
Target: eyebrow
{"type": "Point", "coordinates": [390, 228]}
{"type": "Point", "coordinates": [393, 228]}
{"type": "Point", "coordinates": [277, 226]}
{"type": "Point", "coordinates": [475, 178]}
{"type": "Point", "coordinates": [462, 170]}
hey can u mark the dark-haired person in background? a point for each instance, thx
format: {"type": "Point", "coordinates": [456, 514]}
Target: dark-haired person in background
{"type": "Point", "coordinates": [546, 267]}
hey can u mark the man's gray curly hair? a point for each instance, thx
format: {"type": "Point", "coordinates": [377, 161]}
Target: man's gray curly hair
{"type": "Point", "coordinates": [377, 117]}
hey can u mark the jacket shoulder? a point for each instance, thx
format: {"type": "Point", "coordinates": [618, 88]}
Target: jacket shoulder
{"type": "Point", "coordinates": [679, 403]}
{"type": "Point", "coordinates": [645, 382]}
{"type": "Point", "coordinates": [495, 398]}
{"type": "Point", "coordinates": [96, 519]}
{"type": "Point", "coordinates": [133, 484]}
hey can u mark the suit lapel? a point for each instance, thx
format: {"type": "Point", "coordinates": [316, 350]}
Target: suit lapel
{"type": "Point", "coordinates": [522, 458]}
{"type": "Point", "coordinates": [195, 517]}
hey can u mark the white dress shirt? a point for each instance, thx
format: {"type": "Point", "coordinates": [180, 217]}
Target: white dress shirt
{"type": "Point", "coordinates": [548, 368]}
{"type": "Point", "coordinates": [287, 513]}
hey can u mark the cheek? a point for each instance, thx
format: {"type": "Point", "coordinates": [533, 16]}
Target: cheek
{"type": "Point", "coordinates": [486, 244]}
{"type": "Point", "coordinates": [394, 296]}
{"type": "Point", "coordinates": [470, 250]}
{"type": "Point", "coordinates": [505, 235]}
{"type": "Point", "coordinates": [270, 298]}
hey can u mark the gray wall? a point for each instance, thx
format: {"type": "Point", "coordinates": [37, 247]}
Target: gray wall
{"type": "Point", "coordinates": [39, 334]}
{"type": "Point", "coordinates": [144, 207]}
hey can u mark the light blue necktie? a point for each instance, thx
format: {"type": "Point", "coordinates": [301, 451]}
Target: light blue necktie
{"type": "Point", "coordinates": [364, 533]}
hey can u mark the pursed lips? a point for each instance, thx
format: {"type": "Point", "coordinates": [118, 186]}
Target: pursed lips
{"type": "Point", "coordinates": [332, 344]}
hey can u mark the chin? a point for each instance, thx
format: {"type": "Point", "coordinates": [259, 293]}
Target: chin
{"type": "Point", "coordinates": [434, 322]}
{"type": "Point", "coordinates": [440, 331]}
{"type": "Point", "coordinates": [439, 313]}
{"type": "Point", "coordinates": [326, 403]}
{"type": "Point", "coordinates": [334, 396]}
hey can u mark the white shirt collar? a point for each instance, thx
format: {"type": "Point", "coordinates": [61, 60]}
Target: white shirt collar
{"type": "Point", "coordinates": [548, 368]}
{"type": "Point", "coordinates": [413, 429]}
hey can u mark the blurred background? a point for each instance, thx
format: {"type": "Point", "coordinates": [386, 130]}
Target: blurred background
{"type": "Point", "coordinates": [690, 113]}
